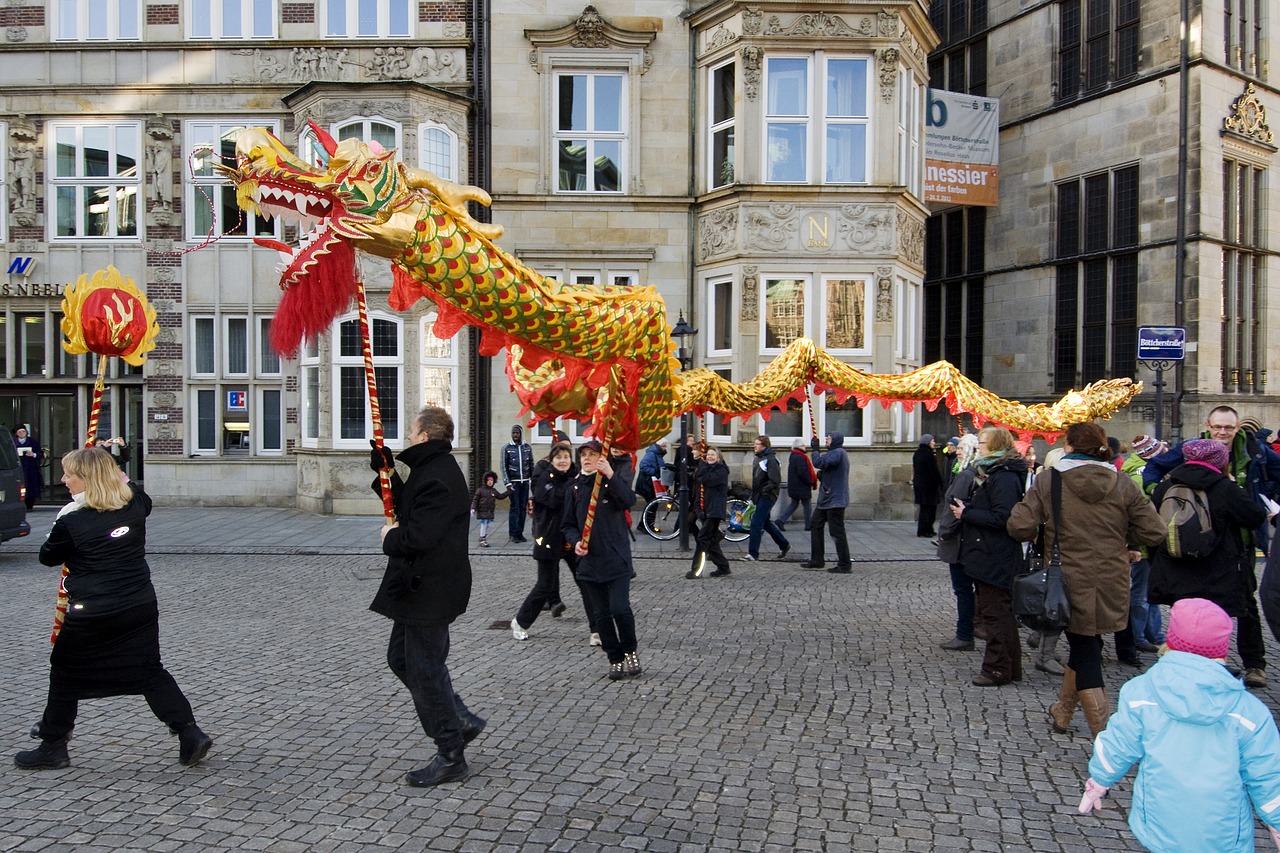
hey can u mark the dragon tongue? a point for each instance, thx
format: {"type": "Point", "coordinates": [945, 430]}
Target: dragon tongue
{"type": "Point", "coordinates": [267, 243]}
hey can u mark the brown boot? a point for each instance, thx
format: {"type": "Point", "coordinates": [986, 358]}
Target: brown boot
{"type": "Point", "coordinates": [1065, 708]}
{"type": "Point", "coordinates": [1097, 710]}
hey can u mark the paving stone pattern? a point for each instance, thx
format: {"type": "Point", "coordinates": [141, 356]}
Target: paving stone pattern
{"type": "Point", "coordinates": [780, 709]}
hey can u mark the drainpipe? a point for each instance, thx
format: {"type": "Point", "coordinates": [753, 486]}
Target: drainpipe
{"type": "Point", "coordinates": [481, 367]}
{"type": "Point", "coordinates": [1180, 242]}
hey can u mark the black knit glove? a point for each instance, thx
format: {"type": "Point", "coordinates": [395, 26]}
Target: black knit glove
{"type": "Point", "coordinates": [380, 458]}
{"type": "Point", "coordinates": [813, 443]}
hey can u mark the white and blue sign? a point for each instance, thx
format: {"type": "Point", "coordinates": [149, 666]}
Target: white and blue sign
{"type": "Point", "coordinates": [236, 401]}
{"type": "Point", "coordinates": [1162, 343]}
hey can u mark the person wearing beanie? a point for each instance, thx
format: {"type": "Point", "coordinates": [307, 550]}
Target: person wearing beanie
{"type": "Point", "coordinates": [1208, 752]}
{"type": "Point", "coordinates": [1144, 617]}
{"type": "Point", "coordinates": [1215, 576]}
{"type": "Point", "coordinates": [926, 483]}
{"type": "Point", "coordinates": [1255, 467]}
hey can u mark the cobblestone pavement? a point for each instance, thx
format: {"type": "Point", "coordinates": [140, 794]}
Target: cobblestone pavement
{"type": "Point", "coordinates": [780, 709]}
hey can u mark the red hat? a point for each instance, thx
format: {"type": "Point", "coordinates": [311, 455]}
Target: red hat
{"type": "Point", "coordinates": [1199, 626]}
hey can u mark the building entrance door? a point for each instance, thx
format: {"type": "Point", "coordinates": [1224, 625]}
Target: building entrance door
{"type": "Point", "coordinates": [51, 418]}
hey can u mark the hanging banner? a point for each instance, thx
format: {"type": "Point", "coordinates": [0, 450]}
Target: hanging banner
{"type": "Point", "coordinates": [962, 149]}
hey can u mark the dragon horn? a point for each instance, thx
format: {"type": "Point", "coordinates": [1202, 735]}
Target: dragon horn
{"type": "Point", "coordinates": [325, 139]}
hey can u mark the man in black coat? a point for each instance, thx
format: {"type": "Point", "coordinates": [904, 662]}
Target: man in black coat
{"type": "Point", "coordinates": [926, 481]}
{"type": "Point", "coordinates": [426, 586]}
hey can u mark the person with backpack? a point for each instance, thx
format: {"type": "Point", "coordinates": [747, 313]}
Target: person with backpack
{"type": "Point", "coordinates": [1101, 515]}
{"type": "Point", "coordinates": [1207, 517]}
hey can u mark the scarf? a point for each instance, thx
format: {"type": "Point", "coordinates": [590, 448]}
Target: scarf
{"type": "Point", "coordinates": [983, 466]}
{"type": "Point", "coordinates": [813, 474]}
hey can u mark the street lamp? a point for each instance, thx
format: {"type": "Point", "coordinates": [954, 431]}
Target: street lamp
{"type": "Point", "coordinates": [681, 331]}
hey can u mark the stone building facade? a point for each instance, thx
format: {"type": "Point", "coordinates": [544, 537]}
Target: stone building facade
{"type": "Point", "coordinates": [1046, 292]}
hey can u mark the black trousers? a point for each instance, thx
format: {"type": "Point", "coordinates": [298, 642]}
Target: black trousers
{"type": "Point", "coordinates": [924, 524]}
{"type": "Point", "coordinates": [417, 655]}
{"type": "Point", "coordinates": [546, 590]}
{"type": "Point", "coordinates": [709, 538]}
{"type": "Point", "coordinates": [1085, 658]}
{"type": "Point", "coordinates": [611, 615]}
{"type": "Point", "coordinates": [1249, 626]}
{"type": "Point", "coordinates": [166, 700]}
{"type": "Point", "coordinates": [832, 517]}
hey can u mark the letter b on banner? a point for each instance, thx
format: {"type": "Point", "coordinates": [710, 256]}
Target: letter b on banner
{"type": "Point", "coordinates": [936, 116]}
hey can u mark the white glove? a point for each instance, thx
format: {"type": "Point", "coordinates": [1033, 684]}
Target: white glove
{"type": "Point", "coordinates": [1092, 799]}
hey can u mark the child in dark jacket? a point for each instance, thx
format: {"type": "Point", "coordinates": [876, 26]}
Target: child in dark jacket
{"type": "Point", "coordinates": [482, 504]}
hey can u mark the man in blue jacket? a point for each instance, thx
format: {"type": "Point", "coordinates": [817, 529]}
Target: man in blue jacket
{"type": "Point", "coordinates": [833, 498]}
{"type": "Point", "coordinates": [1256, 469]}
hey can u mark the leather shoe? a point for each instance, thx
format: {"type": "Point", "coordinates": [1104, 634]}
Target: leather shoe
{"type": "Point", "coordinates": [957, 645]}
{"type": "Point", "coordinates": [472, 726]}
{"type": "Point", "coordinates": [984, 680]}
{"type": "Point", "coordinates": [811, 565]}
{"type": "Point", "coordinates": [1149, 648]}
{"type": "Point", "coordinates": [193, 745]}
{"type": "Point", "coordinates": [840, 570]}
{"type": "Point", "coordinates": [445, 767]}
{"type": "Point", "coordinates": [1130, 660]}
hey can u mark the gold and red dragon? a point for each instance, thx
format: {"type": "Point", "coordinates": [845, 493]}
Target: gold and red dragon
{"type": "Point", "coordinates": [603, 354]}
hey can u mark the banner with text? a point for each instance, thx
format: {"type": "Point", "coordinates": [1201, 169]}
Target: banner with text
{"type": "Point", "coordinates": [962, 149]}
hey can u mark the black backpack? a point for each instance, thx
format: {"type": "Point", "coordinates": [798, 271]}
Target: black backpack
{"type": "Point", "coordinates": [1189, 533]}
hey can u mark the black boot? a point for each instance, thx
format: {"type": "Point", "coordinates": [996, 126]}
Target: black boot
{"type": "Point", "coordinates": [49, 755]}
{"type": "Point", "coordinates": [445, 767]}
{"type": "Point", "coordinates": [472, 726]}
{"type": "Point", "coordinates": [193, 745]}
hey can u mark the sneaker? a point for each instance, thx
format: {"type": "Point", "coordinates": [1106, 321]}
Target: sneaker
{"type": "Point", "coordinates": [1255, 677]}
{"type": "Point", "coordinates": [617, 671]}
{"type": "Point", "coordinates": [484, 543]}
{"type": "Point", "coordinates": [518, 632]}
{"type": "Point", "coordinates": [749, 558]}
{"type": "Point", "coordinates": [782, 555]}
{"type": "Point", "coordinates": [595, 640]}
{"type": "Point", "coordinates": [631, 663]}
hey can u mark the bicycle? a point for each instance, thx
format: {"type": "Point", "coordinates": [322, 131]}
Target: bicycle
{"type": "Point", "coordinates": [661, 519]}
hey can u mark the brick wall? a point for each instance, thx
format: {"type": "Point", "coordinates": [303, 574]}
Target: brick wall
{"type": "Point", "coordinates": [442, 10]}
{"type": "Point", "coordinates": [157, 15]}
{"type": "Point", "coordinates": [298, 13]}
{"type": "Point", "coordinates": [22, 16]}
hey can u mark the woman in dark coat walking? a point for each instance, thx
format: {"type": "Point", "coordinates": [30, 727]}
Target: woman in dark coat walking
{"type": "Point", "coordinates": [109, 644]}
{"type": "Point", "coordinates": [990, 555]}
{"type": "Point", "coordinates": [802, 479]}
{"type": "Point", "coordinates": [710, 498]}
{"type": "Point", "coordinates": [926, 482]}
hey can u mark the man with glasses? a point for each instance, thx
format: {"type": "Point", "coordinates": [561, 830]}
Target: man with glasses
{"type": "Point", "coordinates": [1252, 465]}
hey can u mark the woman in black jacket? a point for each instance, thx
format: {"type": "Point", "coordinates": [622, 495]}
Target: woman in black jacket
{"type": "Point", "coordinates": [550, 484]}
{"type": "Point", "coordinates": [109, 644]}
{"type": "Point", "coordinates": [990, 555]}
{"type": "Point", "coordinates": [710, 499]}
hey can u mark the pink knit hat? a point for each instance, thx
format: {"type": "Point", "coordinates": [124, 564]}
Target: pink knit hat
{"type": "Point", "coordinates": [1206, 450]}
{"type": "Point", "coordinates": [1199, 626]}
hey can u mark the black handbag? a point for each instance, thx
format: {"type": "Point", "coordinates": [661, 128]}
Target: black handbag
{"type": "Point", "coordinates": [1040, 598]}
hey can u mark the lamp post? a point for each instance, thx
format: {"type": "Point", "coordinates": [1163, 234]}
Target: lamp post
{"type": "Point", "coordinates": [681, 331]}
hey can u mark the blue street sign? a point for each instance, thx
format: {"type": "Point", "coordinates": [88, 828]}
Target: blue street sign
{"type": "Point", "coordinates": [1161, 343]}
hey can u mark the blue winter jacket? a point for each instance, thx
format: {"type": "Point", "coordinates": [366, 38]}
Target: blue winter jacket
{"type": "Point", "coordinates": [1208, 750]}
{"type": "Point", "coordinates": [833, 474]}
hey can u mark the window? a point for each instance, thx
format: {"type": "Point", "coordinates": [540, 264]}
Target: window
{"type": "Point", "coordinates": [1244, 334]}
{"type": "Point", "coordinates": [582, 277]}
{"type": "Point", "coordinates": [910, 113]}
{"type": "Point", "coordinates": [368, 18]}
{"type": "Point", "coordinates": [959, 64]}
{"type": "Point", "coordinates": [96, 20]}
{"type": "Point", "coordinates": [236, 346]}
{"type": "Point", "coordinates": [31, 349]}
{"type": "Point", "coordinates": [590, 131]}
{"type": "Point", "coordinates": [1244, 41]}
{"type": "Point", "coordinates": [844, 315]}
{"type": "Point", "coordinates": [720, 161]}
{"type": "Point", "coordinates": [1096, 300]}
{"type": "Point", "coordinates": [817, 127]}
{"type": "Point", "coordinates": [4, 182]}
{"type": "Point", "coordinates": [211, 201]}
{"type": "Point", "coordinates": [794, 422]}
{"type": "Point", "coordinates": [268, 359]}
{"type": "Point", "coordinates": [784, 311]}
{"type": "Point", "coordinates": [956, 20]}
{"type": "Point", "coordinates": [95, 180]}
{"type": "Point", "coordinates": [205, 436]}
{"type": "Point", "coordinates": [352, 418]}
{"type": "Point", "coordinates": [439, 366]}
{"type": "Point", "coordinates": [231, 19]}
{"type": "Point", "coordinates": [203, 347]}
{"type": "Point", "coordinates": [368, 130]}
{"type": "Point", "coordinates": [438, 150]}
{"type": "Point", "coordinates": [721, 311]}
{"type": "Point", "coordinates": [907, 317]}
{"type": "Point", "coordinates": [1098, 45]}
{"type": "Point", "coordinates": [310, 369]}
{"type": "Point", "coordinates": [954, 262]}
{"type": "Point", "coordinates": [718, 427]}
{"type": "Point", "coordinates": [270, 423]}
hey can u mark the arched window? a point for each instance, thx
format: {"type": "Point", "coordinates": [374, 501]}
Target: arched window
{"type": "Point", "coordinates": [371, 129]}
{"type": "Point", "coordinates": [438, 150]}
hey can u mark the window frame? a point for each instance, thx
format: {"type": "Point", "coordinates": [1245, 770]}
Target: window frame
{"type": "Point", "coordinates": [351, 22]}
{"type": "Point", "coordinates": [196, 320]}
{"type": "Point", "coordinates": [4, 182]}
{"type": "Point", "coordinates": [196, 185]}
{"type": "Point", "coordinates": [258, 424]}
{"type": "Point", "coordinates": [310, 390]}
{"type": "Point", "coordinates": [806, 282]}
{"type": "Point", "coordinates": [366, 122]}
{"type": "Point", "coordinates": [868, 300]}
{"type": "Point", "coordinates": [718, 312]}
{"type": "Point", "coordinates": [261, 346]}
{"type": "Point", "coordinates": [114, 13]}
{"type": "Point", "coordinates": [217, 17]}
{"type": "Point", "coordinates": [114, 184]}
{"type": "Point", "coordinates": [197, 449]}
{"type": "Point", "coordinates": [591, 136]}
{"type": "Point", "coordinates": [428, 127]}
{"type": "Point", "coordinates": [709, 423]}
{"type": "Point", "coordinates": [816, 119]}
{"type": "Point", "coordinates": [426, 325]}
{"type": "Point", "coordinates": [227, 320]}
{"type": "Point", "coordinates": [716, 128]}
{"type": "Point", "coordinates": [338, 362]}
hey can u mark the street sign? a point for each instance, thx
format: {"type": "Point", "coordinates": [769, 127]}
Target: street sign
{"type": "Point", "coordinates": [1161, 343]}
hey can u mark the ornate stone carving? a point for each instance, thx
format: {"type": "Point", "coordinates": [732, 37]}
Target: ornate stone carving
{"type": "Point", "coordinates": [164, 306]}
{"type": "Point", "coordinates": [589, 30]}
{"type": "Point", "coordinates": [309, 475]}
{"type": "Point", "coordinates": [750, 292]}
{"type": "Point", "coordinates": [718, 39]}
{"type": "Point", "coordinates": [887, 23]}
{"type": "Point", "coordinates": [867, 229]}
{"type": "Point", "coordinates": [772, 228]}
{"type": "Point", "coordinates": [23, 153]}
{"type": "Point", "coordinates": [15, 34]}
{"type": "Point", "coordinates": [162, 366]}
{"type": "Point", "coordinates": [752, 22]}
{"type": "Point", "coordinates": [389, 63]}
{"type": "Point", "coordinates": [455, 30]}
{"type": "Point", "coordinates": [751, 59]}
{"type": "Point", "coordinates": [166, 432]}
{"type": "Point", "coordinates": [911, 239]}
{"type": "Point", "coordinates": [306, 64]}
{"type": "Point", "coordinates": [164, 400]}
{"type": "Point", "coordinates": [884, 293]}
{"type": "Point", "coordinates": [162, 275]}
{"type": "Point", "coordinates": [818, 24]}
{"type": "Point", "coordinates": [167, 335]}
{"type": "Point", "coordinates": [438, 65]}
{"type": "Point", "coordinates": [888, 59]}
{"type": "Point", "coordinates": [158, 161]}
{"type": "Point", "coordinates": [1249, 118]}
{"type": "Point", "coordinates": [911, 46]}
{"type": "Point", "coordinates": [717, 233]}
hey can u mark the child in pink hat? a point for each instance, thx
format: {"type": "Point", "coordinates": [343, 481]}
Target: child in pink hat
{"type": "Point", "coordinates": [1207, 751]}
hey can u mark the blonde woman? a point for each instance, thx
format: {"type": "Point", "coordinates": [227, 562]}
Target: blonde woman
{"type": "Point", "coordinates": [110, 642]}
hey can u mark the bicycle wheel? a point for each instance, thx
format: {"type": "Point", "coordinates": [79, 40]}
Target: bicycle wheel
{"type": "Point", "coordinates": [735, 529]}
{"type": "Point", "coordinates": [661, 519]}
